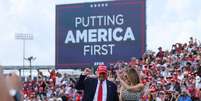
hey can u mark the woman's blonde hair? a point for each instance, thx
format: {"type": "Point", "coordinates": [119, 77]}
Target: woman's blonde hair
{"type": "Point", "coordinates": [133, 76]}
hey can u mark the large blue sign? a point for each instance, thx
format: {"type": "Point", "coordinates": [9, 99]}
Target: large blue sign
{"type": "Point", "coordinates": [101, 32]}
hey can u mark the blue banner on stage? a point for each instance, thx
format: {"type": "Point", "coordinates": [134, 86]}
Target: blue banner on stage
{"type": "Point", "coordinates": [100, 32]}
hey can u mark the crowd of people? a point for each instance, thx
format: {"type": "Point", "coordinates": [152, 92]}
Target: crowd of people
{"type": "Point", "coordinates": [56, 86]}
{"type": "Point", "coordinates": [167, 75]}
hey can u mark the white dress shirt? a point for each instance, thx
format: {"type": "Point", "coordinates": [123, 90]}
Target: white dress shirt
{"type": "Point", "coordinates": [197, 82]}
{"type": "Point", "coordinates": [104, 86]}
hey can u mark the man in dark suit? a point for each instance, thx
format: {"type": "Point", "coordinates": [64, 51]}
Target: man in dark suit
{"type": "Point", "coordinates": [97, 89]}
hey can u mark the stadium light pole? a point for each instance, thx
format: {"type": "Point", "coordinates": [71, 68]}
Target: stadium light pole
{"type": "Point", "coordinates": [30, 59]}
{"type": "Point", "coordinates": [23, 37]}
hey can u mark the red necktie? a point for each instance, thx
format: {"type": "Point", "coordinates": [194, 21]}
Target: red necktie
{"type": "Point", "coordinates": [100, 92]}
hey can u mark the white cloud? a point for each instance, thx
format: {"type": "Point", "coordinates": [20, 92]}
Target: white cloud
{"type": "Point", "coordinates": [179, 6]}
{"type": "Point", "coordinates": [21, 16]}
{"type": "Point", "coordinates": [179, 20]}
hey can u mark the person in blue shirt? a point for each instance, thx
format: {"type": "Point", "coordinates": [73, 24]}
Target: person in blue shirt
{"type": "Point", "coordinates": [184, 97]}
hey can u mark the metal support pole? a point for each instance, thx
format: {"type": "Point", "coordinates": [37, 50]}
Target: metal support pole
{"type": "Point", "coordinates": [23, 56]}
{"type": "Point", "coordinates": [30, 68]}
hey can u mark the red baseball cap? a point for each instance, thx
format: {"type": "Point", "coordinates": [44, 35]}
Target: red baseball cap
{"type": "Point", "coordinates": [102, 69]}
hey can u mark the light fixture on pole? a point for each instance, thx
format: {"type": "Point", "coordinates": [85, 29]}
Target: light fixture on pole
{"type": "Point", "coordinates": [23, 37]}
{"type": "Point", "coordinates": [30, 59]}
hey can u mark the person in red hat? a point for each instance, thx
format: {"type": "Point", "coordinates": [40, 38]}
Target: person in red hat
{"type": "Point", "coordinates": [97, 89]}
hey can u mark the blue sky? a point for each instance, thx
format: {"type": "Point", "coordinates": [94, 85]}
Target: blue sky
{"type": "Point", "coordinates": [168, 21]}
